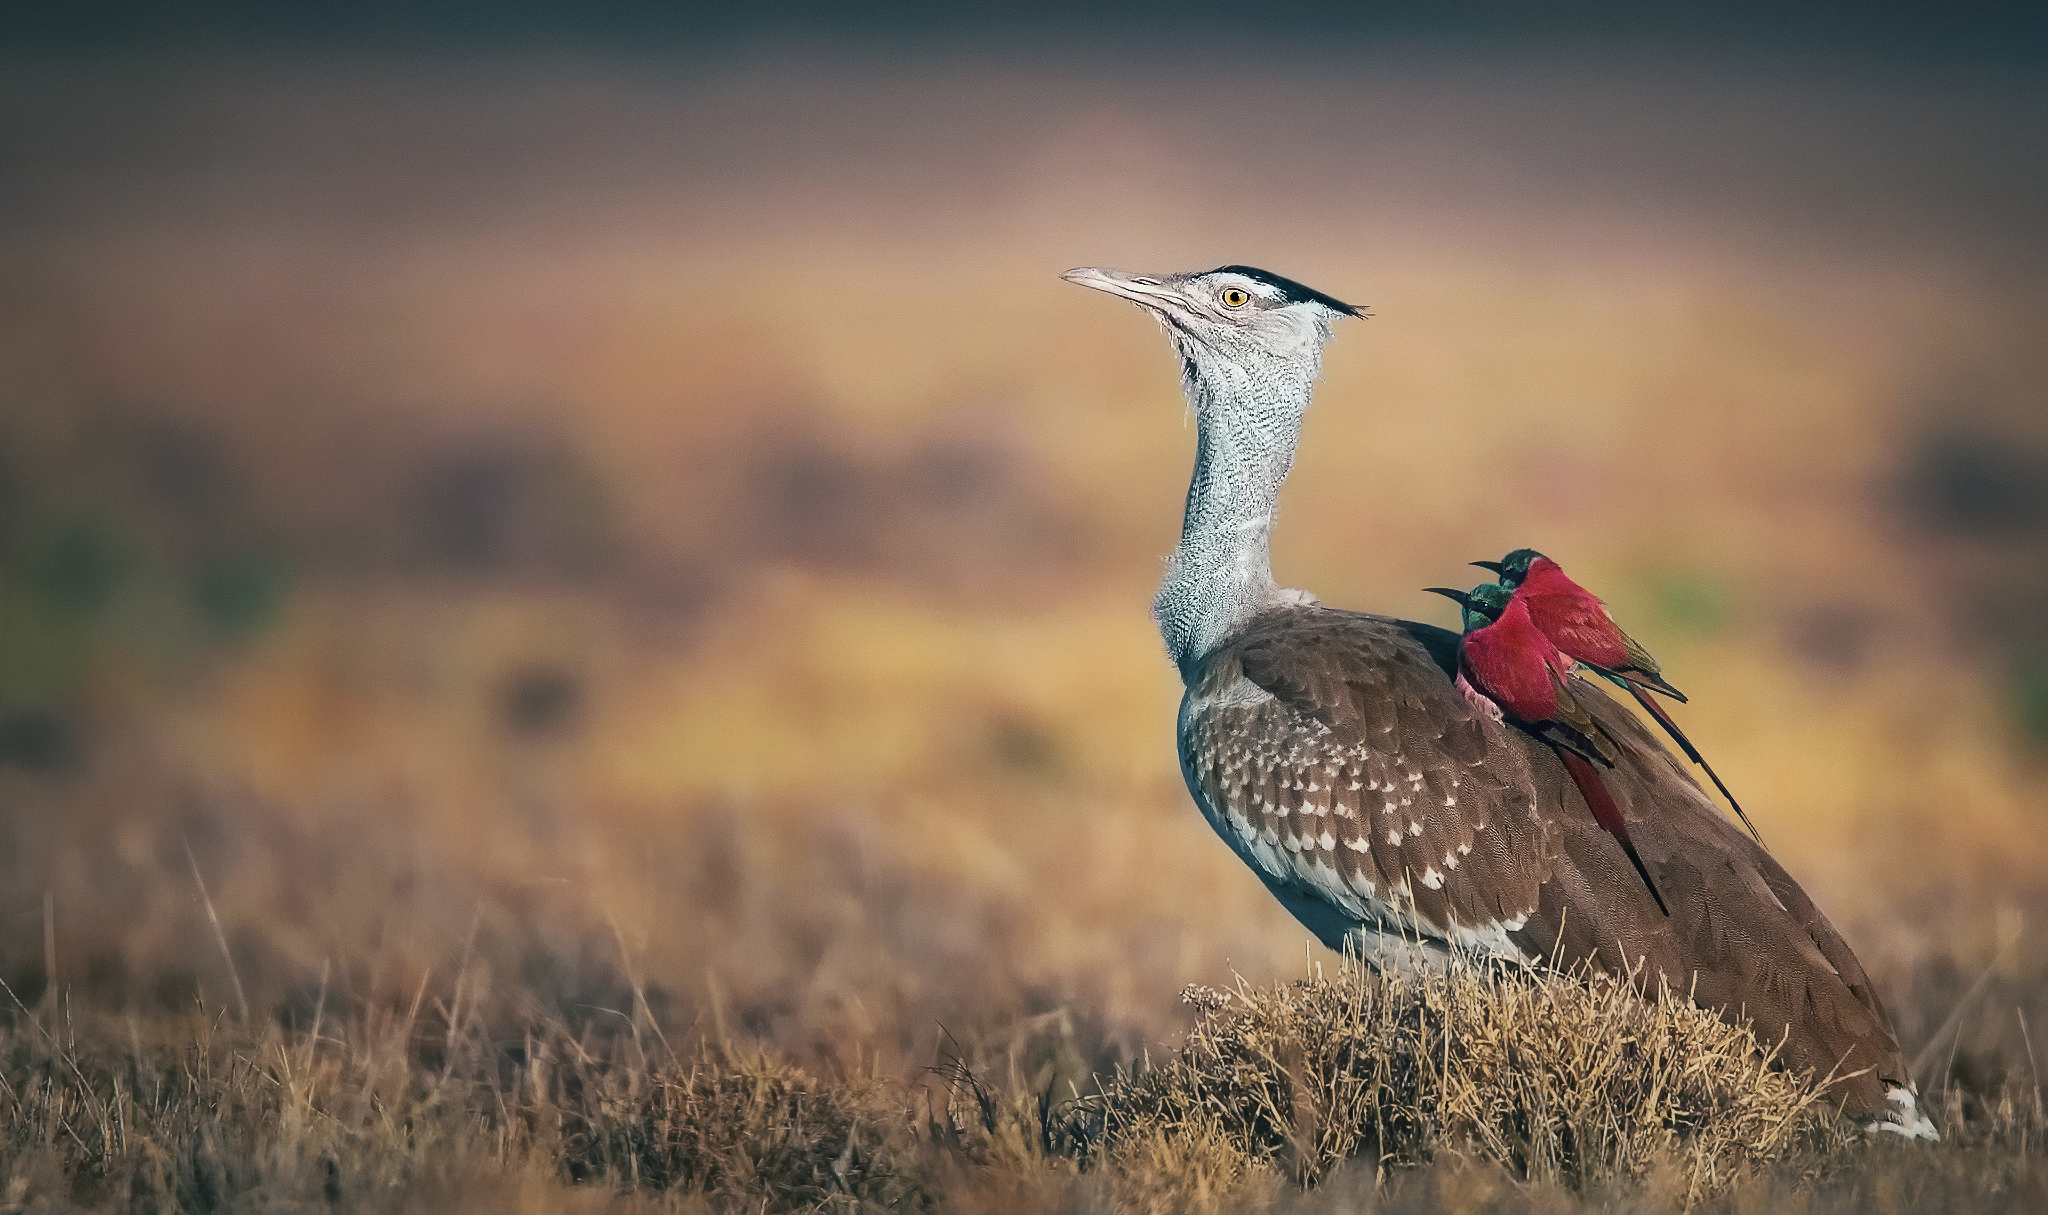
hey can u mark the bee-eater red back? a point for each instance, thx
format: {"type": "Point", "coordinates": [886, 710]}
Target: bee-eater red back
{"type": "Point", "coordinates": [1578, 624]}
{"type": "Point", "coordinates": [1514, 664]}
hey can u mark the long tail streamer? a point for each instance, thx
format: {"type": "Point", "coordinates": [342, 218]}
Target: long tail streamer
{"type": "Point", "coordinates": [1692, 753]}
{"type": "Point", "coordinates": [1601, 802]}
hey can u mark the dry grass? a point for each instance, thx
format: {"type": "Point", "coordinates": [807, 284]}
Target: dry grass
{"type": "Point", "coordinates": [1508, 1090]}
{"type": "Point", "coordinates": [205, 1115]}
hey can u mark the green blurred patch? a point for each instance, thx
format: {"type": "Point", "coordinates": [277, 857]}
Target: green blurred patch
{"type": "Point", "coordinates": [53, 593]}
{"type": "Point", "coordinates": [1692, 602]}
{"type": "Point", "coordinates": [79, 565]}
{"type": "Point", "coordinates": [43, 653]}
{"type": "Point", "coordinates": [36, 740]}
{"type": "Point", "coordinates": [242, 594]}
{"type": "Point", "coordinates": [78, 586]}
{"type": "Point", "coordinates": [2030, 697]}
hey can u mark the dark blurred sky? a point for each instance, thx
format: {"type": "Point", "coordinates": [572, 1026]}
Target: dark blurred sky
{"type": "Point", "coordinates": [2004, 37]}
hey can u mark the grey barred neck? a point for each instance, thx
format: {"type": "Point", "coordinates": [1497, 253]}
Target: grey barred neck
{"type": "Point", "coordinates": [1248, 417]}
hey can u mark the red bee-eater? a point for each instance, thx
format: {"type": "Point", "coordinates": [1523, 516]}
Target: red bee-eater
{"type": "Point", "coordinates": [1507, 659]}
{"type": "Point", "coordinates": [1579, 625]}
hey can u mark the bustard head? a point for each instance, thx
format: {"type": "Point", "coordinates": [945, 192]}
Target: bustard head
{"type": "Point", "coordinates": [1233, 318]}
{"type": "Point", "coordinates": [1251, 345]}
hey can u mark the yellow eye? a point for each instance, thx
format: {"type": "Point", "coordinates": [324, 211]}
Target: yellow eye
{"type": "Point", "coordinates": [1235, 297]}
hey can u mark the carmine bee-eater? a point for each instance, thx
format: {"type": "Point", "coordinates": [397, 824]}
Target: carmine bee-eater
{"type": "Point", "coordinates": [1580, 626]}
{"type": "Point", "coordinates": [1507, 659]}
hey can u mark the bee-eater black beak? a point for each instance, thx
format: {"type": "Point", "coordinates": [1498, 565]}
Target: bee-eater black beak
{"type": "Point", "coordinates": [1461, 598]}
{"type": "Point", "coordinates": [1494, 566]}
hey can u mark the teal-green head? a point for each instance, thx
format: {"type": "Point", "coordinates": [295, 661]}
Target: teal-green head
{"type": "Point", "coordinates": [1514, 567]}
{"type": "Point", "coordinates": [1492, 598]}
{"type": "Point", "coordinates": [1482, 605]}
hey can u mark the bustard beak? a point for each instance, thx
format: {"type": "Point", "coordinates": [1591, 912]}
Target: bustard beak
{"type": "Point", "coordinates": [1495, 566]}
{"type": "Point", "coordinates": [1461, 598]}
{"type": "Point", "coordinates": [1137, 288]}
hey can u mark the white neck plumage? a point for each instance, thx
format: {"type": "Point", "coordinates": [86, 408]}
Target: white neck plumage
{"type": "Point", "coordinates": [1221, 575]}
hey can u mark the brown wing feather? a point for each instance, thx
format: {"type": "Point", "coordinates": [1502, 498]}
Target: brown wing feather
{"type": "Point", "coordinates": [1334, 754]}
{"type": "Point", "coordinates": [1331, 750]}
{"type": "Point", "coordinates": [1742, 937]}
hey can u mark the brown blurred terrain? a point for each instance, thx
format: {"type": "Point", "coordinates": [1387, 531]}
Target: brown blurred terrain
{"type": "Point", "coordinates": [585, 524]}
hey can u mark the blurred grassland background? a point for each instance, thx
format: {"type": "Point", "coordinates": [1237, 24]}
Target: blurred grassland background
{"type": "Point", "coordinates": [588, 518]}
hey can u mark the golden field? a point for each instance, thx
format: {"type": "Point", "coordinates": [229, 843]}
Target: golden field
{"type": "Point", "coordinates": [611, 547]}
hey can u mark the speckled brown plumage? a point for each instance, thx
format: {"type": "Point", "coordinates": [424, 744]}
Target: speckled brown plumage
{"type": "Point", "coordinates": [1332, 751]}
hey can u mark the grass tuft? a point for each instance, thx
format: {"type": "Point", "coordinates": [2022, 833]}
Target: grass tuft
{"type": "Point", "coordinates": [745, 1125]}
{"type": "Point", "coordinates": [1576, 1084]}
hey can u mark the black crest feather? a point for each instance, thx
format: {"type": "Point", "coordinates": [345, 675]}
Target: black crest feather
{"type": "Point", "coordinates": [1291, 291]}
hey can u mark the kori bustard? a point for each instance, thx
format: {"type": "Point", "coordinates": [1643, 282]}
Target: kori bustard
{"type": "Point", "coordinates": [1395, 818]}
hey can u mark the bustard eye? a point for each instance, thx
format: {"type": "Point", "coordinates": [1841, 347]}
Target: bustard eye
{"type": "Point", "coordinates": [1235, 297]}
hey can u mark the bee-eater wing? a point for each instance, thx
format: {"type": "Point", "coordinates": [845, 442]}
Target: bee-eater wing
{"type": "Point", "coordinates": [1562, 737]}
{"type": "Point", "coordinates": [1573, 714]}
{"type": "Point", "coordinates": [1643, 669]}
